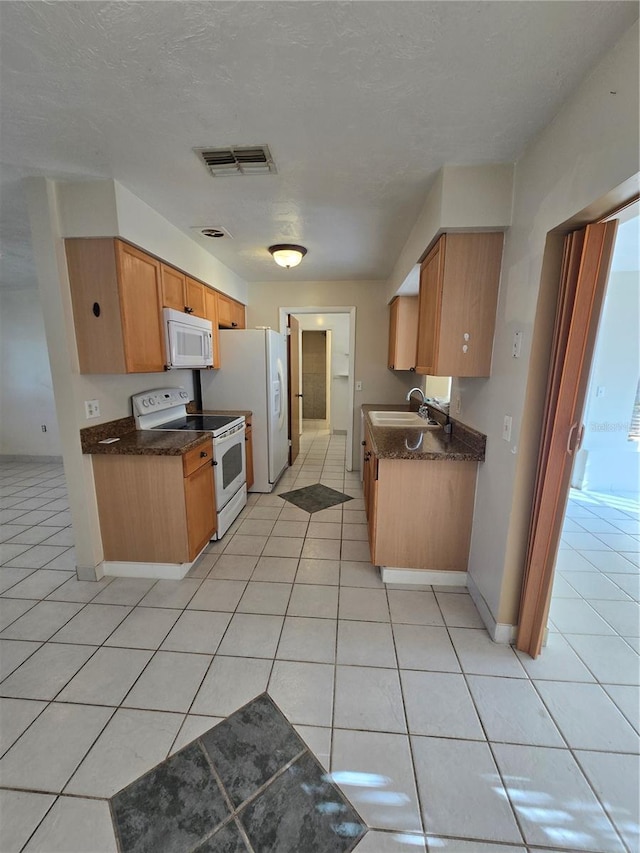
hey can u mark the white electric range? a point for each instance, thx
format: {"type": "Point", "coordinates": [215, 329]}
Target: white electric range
{"type": "Point", "coordinates": [166, 409]}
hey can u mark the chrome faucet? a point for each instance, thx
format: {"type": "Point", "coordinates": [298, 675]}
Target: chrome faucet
{"type": "Point", "coordinates": [416, 389]}
{"type": "Point", "coordinates": [422, 409]}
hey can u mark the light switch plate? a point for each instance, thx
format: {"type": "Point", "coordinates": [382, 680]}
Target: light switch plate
{"type": "Point", "coordinates": [517, 345]}
{"type": "Point", "coordinates": [506, 428]}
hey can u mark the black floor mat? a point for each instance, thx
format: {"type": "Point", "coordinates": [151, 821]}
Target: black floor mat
{"type": "Point", "coordinates": [316, 497]}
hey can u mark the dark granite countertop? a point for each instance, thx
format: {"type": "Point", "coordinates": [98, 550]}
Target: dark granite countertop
{"type": "Point", "coordinates": [463, 444]}
{"type": "Point", "coordinates": [139, 442]}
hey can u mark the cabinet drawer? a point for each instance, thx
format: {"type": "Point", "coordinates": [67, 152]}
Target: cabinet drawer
{"type": "Point", "coordinates": [196, 458]}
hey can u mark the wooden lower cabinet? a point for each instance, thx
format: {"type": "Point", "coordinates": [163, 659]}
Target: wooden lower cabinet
{"type": "Point", "coordinates": [248, 446]}
{"type": "Point", "coordinates": [419, 513]}
{"type": "Point", "coordinates": [156, 509]}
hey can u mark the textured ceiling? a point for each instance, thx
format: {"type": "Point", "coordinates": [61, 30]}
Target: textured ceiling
{"type": "Point", "coordinates": [360, 102]}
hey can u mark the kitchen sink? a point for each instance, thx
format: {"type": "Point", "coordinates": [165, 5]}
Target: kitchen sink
{"type": "Point", "coordinates": [401, 419]}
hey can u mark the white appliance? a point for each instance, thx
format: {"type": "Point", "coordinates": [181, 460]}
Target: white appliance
{"type": "Point", "coordinates": [165, 409]}
{"type": "Point", "coordinates": [253, 376]}
{"type": "Point", "coordinates": [188, 340]}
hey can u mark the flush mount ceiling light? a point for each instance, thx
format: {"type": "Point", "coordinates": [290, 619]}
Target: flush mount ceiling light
{"type": "Point", "coordinates": [287, 254]}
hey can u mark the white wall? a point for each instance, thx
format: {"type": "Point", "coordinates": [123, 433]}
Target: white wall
{"type": "Point", "coordinates": [54, 212]}
{"type": "Point", "coordinates": [462, 198]}
{"type": "Point", "coordinates": [107, 209]}
{"type": "Point", "coordinates": [608, 460]}
{"type": "Point", "coordinates": [379, 384]}
{"type": "Point", "coordinates": [26, 389]}
{"type": "Point", "coordinates": [339, 397]}
{"type": "Point", "coordinates": [590, 148]}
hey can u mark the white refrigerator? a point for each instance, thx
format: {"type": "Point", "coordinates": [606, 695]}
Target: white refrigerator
{"type": "Point", "coordinates": [253, 376]}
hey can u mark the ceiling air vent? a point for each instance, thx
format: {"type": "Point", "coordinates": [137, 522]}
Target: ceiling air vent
{"type": "Point", "coordinates": [236, 160]}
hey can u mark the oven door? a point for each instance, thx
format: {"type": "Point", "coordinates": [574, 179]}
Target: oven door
{"type": "Point", "coordinates": [229, 466]}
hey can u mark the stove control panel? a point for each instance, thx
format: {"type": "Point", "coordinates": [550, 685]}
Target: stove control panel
{"type": "Point", "coordinates": [158, 399]}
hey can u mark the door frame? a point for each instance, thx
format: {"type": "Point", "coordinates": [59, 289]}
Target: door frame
{"type": "Point", "coordinates": [333, 309]}
{"type": "Point", "coordinates": [536, 595]}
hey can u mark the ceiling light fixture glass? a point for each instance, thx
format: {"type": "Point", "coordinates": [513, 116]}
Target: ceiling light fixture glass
{"type": "Point", "coordinates": [287, 254]}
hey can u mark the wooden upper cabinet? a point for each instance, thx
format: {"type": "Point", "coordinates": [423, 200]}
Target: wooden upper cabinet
{"type": "Point", "coordinates": [196, 297]}
{"type": "Point", "coordinates": [117, 300]}
{"type": "Point", "coordinates": [211, 313]}
{"type": "Point", "coordinates": [173, 288]}
{"type": "Point", "coordinates": [403, 333]}
{"type": "Point", "coordinates": [231, 314]}
{"type": "Point", "coordinates": [429, 311]}
{"type": "Point", "coordinates": [181, 292]}
{"type": "Point", "coordinates": [459, 282]}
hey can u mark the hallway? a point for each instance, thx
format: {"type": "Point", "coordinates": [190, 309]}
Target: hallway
{"type": "Point", "coordinates": [441, 739]}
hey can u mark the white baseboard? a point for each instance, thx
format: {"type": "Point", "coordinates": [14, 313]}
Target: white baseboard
{"type": "Point", "coordinates": [160, 571]}
{"type": "Point", "coordinates": [90, 573]}
{"type": "Point", "coordinates": [500, 632]}
{"type": "Point", "coordinates": [422, 577]}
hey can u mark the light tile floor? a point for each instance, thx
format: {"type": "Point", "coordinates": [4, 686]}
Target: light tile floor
{"type": "Point", "coordinates": [443, 740]}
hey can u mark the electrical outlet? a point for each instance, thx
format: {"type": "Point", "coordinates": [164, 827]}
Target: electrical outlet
{"type": "Point", "coordinates": [92, 408]}
{"type": "Point", "coordinates": [600, 391]}
{"type": "Point", "coordinates": [358, 385]}
{"type": "Point", "coordinates": [43, 427]}
{"type": "Point", "coordinates": [506, 428]}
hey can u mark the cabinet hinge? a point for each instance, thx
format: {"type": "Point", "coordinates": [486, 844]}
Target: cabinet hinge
{"type": "Point", "coordinates": [288, 332]}
{"type": "Point", "coordinates": [289, 442]}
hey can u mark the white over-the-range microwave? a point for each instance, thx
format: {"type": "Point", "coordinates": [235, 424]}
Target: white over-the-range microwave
{"type": "Point", "coordinates": [188, 340]}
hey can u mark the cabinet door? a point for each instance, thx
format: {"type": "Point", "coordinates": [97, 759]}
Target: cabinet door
{"type": "Point", "coordinates": [393, 333]}
{"type": "Point", "coordinates": [141, 309]}
{"type": "Point", "coordinates": [403, 333]}
{"type": "Point", "coordinates": [211, 313]}
{"type": "Point", "coordinates": [93, 279]}
{"type": "Point", "coordinates": [196, 297]}
{"type": "Point", "coordinates": [248, 446]}
{"type": "Point", "coordinates": [200, 507]}
{"type": "Point", "coordinates": [372, 518]}
{"type": "Point", "coordinates": [230, 313]}
{"type": "Point", "coordinates": [471, 276]}
{"type": "Point", "coordinates": [431, 275]}
{"type": "Point", "coordinates": [173, 288]}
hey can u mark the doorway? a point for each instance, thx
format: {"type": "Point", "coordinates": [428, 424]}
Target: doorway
{"type": "Point", "coordinates": [316, 351]}
{"type": "Point", "coordinates": [597, 574]}
{"type": "Point", "coordinates": [579, 351]}
{"type": "Point", "coordinates": [340, 322]}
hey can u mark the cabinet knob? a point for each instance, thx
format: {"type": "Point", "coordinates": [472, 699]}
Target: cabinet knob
{"type": "Point", "coordinates": [96, 309]}
{"type": "Point", "coordinates": [188, 309]}
{"type": "Point", "coordinates": [300, 395]}
{"type": "Point", "coordinates": [246, 438]}
{"type": "Point", "coordinates": [203, 454]}
{"type": "Point", "coordinates": [234, 325]}
{"type": "Point", "coordinates": [367, 456]}
{"type": "Point", "coordinates": [412, 369]}
{"type": "Point", "coordinates": [392, 367]}
{"type": "Point", "coordinates": [363, 443]}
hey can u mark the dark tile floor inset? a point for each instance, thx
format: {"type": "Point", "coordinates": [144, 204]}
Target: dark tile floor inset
{"type": "Point", "coordinates": [250, 776]}
{"type": "Point", "coordinates": [226, 840]}
{"type": "Point", "coordinates": [316, 497]}
{"type": "Point", "coordinates": [171, 808]}
{"type": "Point", "coordinates": [301, 810]}
{"type": "Point", "coordinates": [250, 746]}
